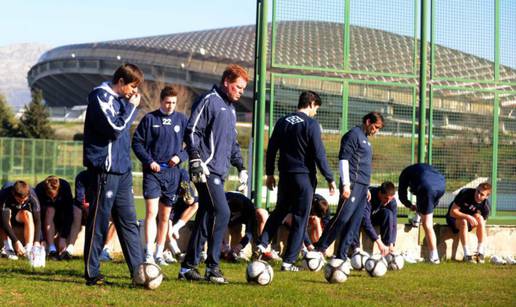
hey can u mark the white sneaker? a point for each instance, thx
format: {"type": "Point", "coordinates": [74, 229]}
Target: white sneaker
{"type": "Point", "coordinates": [149, 258]}
{"type": "Point", "coordinates": [9, 254]}
{"type": "Point", "coordinates": [498, 260]}
{"type": "Point", "coordinates": [169, 258]}
{"type": "Point", "coordinates": [408, 258]}
{"type": "Point", "coordinates": [105, 256]}
{"type": "Point", "coordinates": [161, 261]}
{"type": "Point", "coordinates": [434, 261]}
{"type": "Point", "coordinates": [509, 260]}
{"type": "Point", "coordinates": [241, 256]}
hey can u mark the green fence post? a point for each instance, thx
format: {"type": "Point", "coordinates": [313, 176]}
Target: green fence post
{"type": "Point", "coordinates": [422, 83]}
{"type": "Point", "coordinates": [494, 169]}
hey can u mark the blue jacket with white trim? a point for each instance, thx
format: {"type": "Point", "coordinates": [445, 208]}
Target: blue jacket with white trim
{"type": "Point", "coordinates": [107, 142]}
{"type": "Point", "coordinates": [211, 133]}
{"type": "Point", "coordinates": [159, 137]}
{"type": "Point", "coordinates": [356, 148]}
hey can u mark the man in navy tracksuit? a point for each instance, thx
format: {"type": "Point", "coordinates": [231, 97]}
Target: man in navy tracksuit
{"type": "Point", "coordinates": [158, 144]}
{"type": "Point", "coordinates": [381, 211]}
{"type": "Point", "coordinates": [111, 110]}
{"type": "Point", "coordinates": [355, 157]}
{"type": "Point", "coordinates": [428, 185]}
{"type": "Point", "coordinates": [211, 140]}
{"type": "Point", "coordinates": [297, 136]}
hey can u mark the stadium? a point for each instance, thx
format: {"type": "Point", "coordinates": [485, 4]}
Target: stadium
{"type": "Point", "coordinates": [451, 107]}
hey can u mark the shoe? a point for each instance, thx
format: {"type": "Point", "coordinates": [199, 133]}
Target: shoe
{"type": "Point", "coordinates": [105, 256]}
{"type": "Point", "coordinates": [65, 256]}
{"type": "Point", "coordinates": [149, 259]}
{"type": "Point", "coordinates": [53, 255]}
{"type": "Point", "coordinates": [9, 254]}
{"type": "Point", "coordinates": [215, 275]}
{"type": "Point", "coordinates": [204, 256]}
{"type": "Point", "coordinates": [434, 261]}
{"type": "Point", "coordinates": [180, 257]}
{"type": "Point", "coordinates": [469, 259]}
{"type": "Point", "coordinates": [498, 260]}
{"type": "Point", "coordinates": [161, 261]}
{"type": "Point", "coordinates": [98, 280]}
{"type": "Point", "coordinates": [189, 274]}
{"type": "Point", "coordinates": [480, 258]}
{"type": "Point", "coordinates": [169, 258]}
{"type": "Point", "coordinates": [240, 257]}
{"type": "Point", "coordinates": [272, 255]}
{"type": "Point", "coordinates": [509, 260]}
{"type": "Point", "coordinates": [290, 268]}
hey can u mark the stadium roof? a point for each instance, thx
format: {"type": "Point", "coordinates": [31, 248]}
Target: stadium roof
{"type": "Point", "coordinates": [196, 59]}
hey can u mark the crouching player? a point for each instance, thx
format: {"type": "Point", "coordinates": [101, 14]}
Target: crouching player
{"type": "Point", "coordinates": [381, 210]}
{"type": "Point", "coordinates": [56, 200]}
{"type": "Point", "coordinates": [20, 207]}
{"type": "Point", "coordinates": [470, 209]}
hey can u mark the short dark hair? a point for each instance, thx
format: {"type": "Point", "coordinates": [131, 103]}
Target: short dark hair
{"type": "Point", "coordinates": [52, 184]}
{"type": "Point", "coordinates": [308, 97]}
{"type": "Point", "coordinates": [387, 188]}
{"type": "Point", "coordinates": [320, 206]}
{"type": "Point", "coordinates": [20, 189]}
{"type": "Point", "coordinates": [168, 91]}
{"type": "Point", "coordinates": [485, 186]}
{"type": "Point", "coordinates": [233, 72]}
{"type": "Point", "coordinates": [373, 118]}
{"type": "Point", "coordinates": [130, 73]}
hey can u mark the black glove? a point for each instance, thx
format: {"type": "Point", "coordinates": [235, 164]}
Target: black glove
{"type": "Point", "coordinates": [198, 170]}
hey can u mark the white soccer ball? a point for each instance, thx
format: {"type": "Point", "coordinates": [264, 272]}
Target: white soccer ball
{"type": "Point", "coordinates": [148, 275]}
{"type": "Point", "coordinates": [358, 260]}
{"type": "Point", "coordinates": [395, 261]}
{"type": "Point", "coordinates": [259, 272]}
{"type": "Point", "coordinates": [314, 261]}
{"type": "Point", "coordinates": [337, 270]}
{"type": "Point", "coordinates": [376, 266]}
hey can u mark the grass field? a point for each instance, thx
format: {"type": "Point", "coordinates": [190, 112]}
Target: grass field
{"type": "Point", "coordinates": [451, 283]}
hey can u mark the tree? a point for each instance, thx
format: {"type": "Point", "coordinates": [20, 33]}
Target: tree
{"type": "Point", "coordinates": [7, 119]}
{"type": "Point", "coordinates": [35, 122]}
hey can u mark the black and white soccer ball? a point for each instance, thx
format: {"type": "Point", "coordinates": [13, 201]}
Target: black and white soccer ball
{"type": "Point", "coordinates": [337, 270]}
{"type": "Point", "coordinates": [376, 266]}
{"type": "Point", "coordinates": [148, 275]}
{"type": "Point", "coordinates": [259, 272]}
{"type": "Point", "coordinates": [358, 260]}
{"type": "Point", "coordinates": [314, 261]}
{"type": "Point", "coordinates": [395, 261]}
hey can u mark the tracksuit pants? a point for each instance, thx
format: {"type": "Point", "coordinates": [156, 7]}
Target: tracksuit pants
{"type": "Point", "coordinates": [113, 196]}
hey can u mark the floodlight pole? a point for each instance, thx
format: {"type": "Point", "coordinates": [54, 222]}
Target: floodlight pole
{"type": "Point", "coordinates": [261, 100]}
{"type": "Point", "coordinates": [422, 83]}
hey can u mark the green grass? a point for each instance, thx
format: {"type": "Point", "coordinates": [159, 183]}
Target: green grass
{"type": "Point", "coordinates": [451, 283]}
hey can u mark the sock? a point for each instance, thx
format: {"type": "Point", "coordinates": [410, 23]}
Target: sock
{"type": "Point", "coordinates": [466, 251]}
{"type": "Point", "coordinates": [481, 248]}
{"type": "Point", "coordinates": [434, 255]}
{"type": "Point", "coordinates": [69, 249]}
{"type": "Point", "coordinates": [8, 244]}
{"type": "Point", "coordinates": [159, 250]}
{"type": "Point", "coordinates": [28, 248]}
{"type": "Point", "coordinates": [148, 250]}
{"type": "Point", "coordinates": [174, 248]}
{"type": "Point", "coordinates": [52, 248]}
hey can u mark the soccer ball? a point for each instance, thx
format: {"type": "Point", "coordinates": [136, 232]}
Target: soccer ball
{"type": "Point", "coordinates": [148, 275]}
{"type": "Point", "coordinates": [376, 266]}
{"type": "Point", "coordinates": [395, 261]}
{"type": "Point", "coordinates": [358, 260]}
{"type": "Point", "coordinates": [337, 270]}
{"type": "Point", "coordinates": [259, 272]}
{"type": "Point", "coordinates": [314, 261]}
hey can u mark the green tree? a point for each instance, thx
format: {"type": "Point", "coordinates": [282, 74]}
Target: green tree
{"type": "Point", "coordinates": [7, 119]}
{"type": "Point", "coordinates": [35, 122]}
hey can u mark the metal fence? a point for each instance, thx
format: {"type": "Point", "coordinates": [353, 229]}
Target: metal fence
{"type": "Point", "coordinates": [442, 72]}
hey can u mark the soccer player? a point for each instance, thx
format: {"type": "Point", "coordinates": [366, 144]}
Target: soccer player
{"type": "Point", "coordinates": [211, 139]}
{"type": "Point", "coordinates": [158, 144]}
{"type": "Point", "coordinates": [428, 185]}
{"type": "Point", "coordinates": [355, 157]}
{"type": "Point", "coordinates": [81, 206]}
{"type": "Point", "coordinates": [297, 137]}
{"type": "Point", "coordinates": [381, 210]}
{"type": "Point", "coordinates": [106, 155]}
{"type": "Point", "coordinates": [470, 209]}
{"type": "Point", "coordinates": [56, 201]}
{"type": "Point", "coordinates": [183, 210]}
{"type": "Point", "coordinates": [20, 207]}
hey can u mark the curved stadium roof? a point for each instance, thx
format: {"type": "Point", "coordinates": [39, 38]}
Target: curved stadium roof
{"type": "Point", "coordinates": [196, 59]}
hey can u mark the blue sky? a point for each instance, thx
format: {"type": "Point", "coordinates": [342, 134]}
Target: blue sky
{"type": "Point", "coordinates": [63, 22]}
